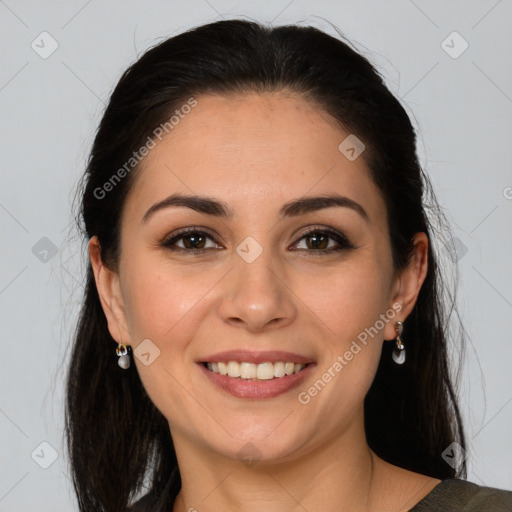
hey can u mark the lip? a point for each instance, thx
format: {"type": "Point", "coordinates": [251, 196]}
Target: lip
{"type": "Point", "coordinates": [248, 356]}
{"type": "Point", "coordinates": [253, 389]}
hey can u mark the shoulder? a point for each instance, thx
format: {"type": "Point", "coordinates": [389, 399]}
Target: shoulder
{"type": "Point", "coordinates": [456, 495]}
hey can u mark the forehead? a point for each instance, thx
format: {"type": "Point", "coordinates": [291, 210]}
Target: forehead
{"type": "Point", "coordinates": [253, 150]}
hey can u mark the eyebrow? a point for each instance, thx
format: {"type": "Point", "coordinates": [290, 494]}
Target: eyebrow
{"type": "Point", "coordinates": [210, 206]}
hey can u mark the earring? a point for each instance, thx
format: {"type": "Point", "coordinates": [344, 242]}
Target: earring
{"type": "Point", "coordinates": [124, 358]}
{"type": "Point", "coordinates": [399, 352]}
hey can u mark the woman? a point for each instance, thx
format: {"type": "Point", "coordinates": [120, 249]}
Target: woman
{"type": "Point", "coordinates": [262, 327]}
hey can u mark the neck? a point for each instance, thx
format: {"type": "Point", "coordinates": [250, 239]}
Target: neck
{"type": "Point", "coordinates": [338, 475]}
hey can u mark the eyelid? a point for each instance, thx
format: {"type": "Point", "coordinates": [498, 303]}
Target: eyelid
{"type": "Point", "coordinates": [342, 241]}
{"type": "Point", "coordinates": [319, 228]}
{"type": "Point", "coordinates": [175, 236]}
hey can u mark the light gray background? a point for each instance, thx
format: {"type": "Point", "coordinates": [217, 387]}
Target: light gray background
{"type": "Point", "coordinates": [51, 107]}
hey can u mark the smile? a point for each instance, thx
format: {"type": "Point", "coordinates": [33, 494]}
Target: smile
{"type": "Point", "coordinates": [262, 371]}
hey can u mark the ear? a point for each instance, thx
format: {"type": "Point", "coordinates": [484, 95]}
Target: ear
{"type": "Point", "coordinates": [407, 284]}
{"type": "Point", "coordinates": [109, 291]}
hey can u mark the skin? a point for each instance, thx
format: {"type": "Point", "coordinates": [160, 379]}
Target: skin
{"type": "Point", "coordinates": [256, 152]}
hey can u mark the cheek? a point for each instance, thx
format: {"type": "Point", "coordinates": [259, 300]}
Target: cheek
{"type": "Point", "coordinates": [352, 309]}
{"type": "Point", "coordinates": [348, 299]}
{"type": "Point", "coordinates": [167, 308]}
{"type": "Point", "coordinates": [157, 302]}
{"type": "Point", "coordinates": [353, 305]}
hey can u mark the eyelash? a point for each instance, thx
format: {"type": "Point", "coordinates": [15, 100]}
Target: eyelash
{"type": "Point", "coordinates": [342, 240]}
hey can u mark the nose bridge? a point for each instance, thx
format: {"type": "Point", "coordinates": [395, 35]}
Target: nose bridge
{"type": "Point", "coordinates": [256, 294]}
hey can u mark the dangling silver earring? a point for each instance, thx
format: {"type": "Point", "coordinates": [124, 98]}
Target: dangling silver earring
{"type": "Point", "coordinates": [399, 351]}
{"type": "Point", "coordinates": [124, 358]}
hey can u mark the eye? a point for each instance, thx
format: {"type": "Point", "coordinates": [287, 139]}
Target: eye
{"type": "Point", "coordinates": [316, 240]}
{"type": "Point", "coordinates": [319, 241]}
{"type": "Point", "coordinates": [191, 239]}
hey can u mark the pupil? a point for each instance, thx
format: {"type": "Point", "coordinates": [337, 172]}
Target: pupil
{"type": "Point", "coordinates": [194, 241]}
{"type": "Point", "coordinates": [318, 241]}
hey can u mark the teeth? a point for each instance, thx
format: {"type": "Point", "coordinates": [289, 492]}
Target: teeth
{"type": "Point", "coordinates": [223, 368]}
{"type": "Point", "coordinates": [248, 371]}
{"type": "Point", "coordinates": [233, 369]}
{"type": "Point", "coordinates": [279, 369]}
{"type": "Point", "coordinates": [262, 371]}
{"type": "Point", "coordinates": [265, 371]}
{"type": "Point", "coordinates": [298, 368]}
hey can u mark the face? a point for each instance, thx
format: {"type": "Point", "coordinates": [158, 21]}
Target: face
{"type": "Point", "coordinates": [258, 279]}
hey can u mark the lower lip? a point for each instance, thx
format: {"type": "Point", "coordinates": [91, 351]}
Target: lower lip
{"type": "Point", "coordinates": [257, 389]}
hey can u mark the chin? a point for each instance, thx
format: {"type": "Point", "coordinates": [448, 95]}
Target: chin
{"type": "Point", "coordinates": [264, 440]}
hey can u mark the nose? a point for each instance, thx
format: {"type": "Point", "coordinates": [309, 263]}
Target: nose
{"type": "Point", "coordinates": [258, 296]}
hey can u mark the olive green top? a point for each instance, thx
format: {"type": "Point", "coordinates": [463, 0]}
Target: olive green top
{"type": "Point", "coordinates": [451, 495]}
{"type": "Point", "coordinates": [455, 495]}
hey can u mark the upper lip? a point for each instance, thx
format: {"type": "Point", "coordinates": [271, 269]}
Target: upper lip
{"type": "Point", "coordinates": [249, 356]}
